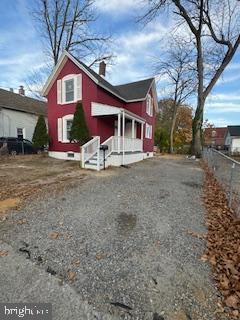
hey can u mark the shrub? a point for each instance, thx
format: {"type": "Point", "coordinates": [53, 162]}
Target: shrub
{"type": "Point", "coordinates": [40, 136]}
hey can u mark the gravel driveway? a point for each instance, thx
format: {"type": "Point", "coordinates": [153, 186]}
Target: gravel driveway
{"type": "Point", "coordinates": [120, 240]}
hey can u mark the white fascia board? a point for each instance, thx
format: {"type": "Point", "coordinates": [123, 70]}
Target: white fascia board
{"type": "Point", "coordinates": [54, 74]}
{"type": "Point", "coordinates": [99, 109]}
{"type": "Point", "coordinates": [133, 116]}
{"type": "Point", "coordinates": [60, 65]}
{"type": "Point", "coordinates": [57, 69]}
{"type": "Point", "coordinates": [155, 101]}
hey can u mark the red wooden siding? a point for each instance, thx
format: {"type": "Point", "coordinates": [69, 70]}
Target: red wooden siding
{"type": "Point", "coordinates": [101, 126]}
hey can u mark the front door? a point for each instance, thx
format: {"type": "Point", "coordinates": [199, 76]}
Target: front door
{"type": "Point", "coordinates": [128, 129]}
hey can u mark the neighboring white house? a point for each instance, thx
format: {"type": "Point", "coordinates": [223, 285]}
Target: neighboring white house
{"type": "Point", "coordinates": [232, 139]}
{"type": "Point", "coordinates": [19, 114]}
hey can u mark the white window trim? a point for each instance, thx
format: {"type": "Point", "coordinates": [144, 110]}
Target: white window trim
{"type": "Point", "coordinates": [64, 127]}
{"type": "Point", "coordinates": [148, 131]}
{"type": "Point", "coordinates": [149, 105]}
{"type": "Point", "coordinates": [61, 89]}
{"type": "Point", "coordinates": [23, 131]}
{"type": "Point", "coordinates": [64, 79]}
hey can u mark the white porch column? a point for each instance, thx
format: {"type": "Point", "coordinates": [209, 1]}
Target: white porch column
{"type": "Point", "coordinates": [133, 128]}
{"type": "Point", "coordinates": [123, 137]}
{"type": "Point", "coordinates": [141, 131]}
{"type": "Point", "coordinates": [133, 131]}
{"type": "Point", "coordinates": [119, 131]}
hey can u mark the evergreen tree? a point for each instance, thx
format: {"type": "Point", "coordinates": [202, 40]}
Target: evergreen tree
{"type": "Point", "coordinates": [79, 131]}
{"type": "Point", "coordinates": [40, 136]}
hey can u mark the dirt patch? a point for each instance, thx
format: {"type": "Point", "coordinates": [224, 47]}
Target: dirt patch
{"type": "Point", "coordinates": [23, 177]}
{"type": "Point", "coordinates": [170, 156]}
{"type": "Point", "coordinates": [180, 315]}
{"type": "Point", "coordinates": [126, 223]}
{"type": "Point", "coordinates": [11, 203]}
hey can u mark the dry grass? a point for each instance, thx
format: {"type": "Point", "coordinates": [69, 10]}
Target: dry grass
{"type": "Point", "coordinates": [29, 175]}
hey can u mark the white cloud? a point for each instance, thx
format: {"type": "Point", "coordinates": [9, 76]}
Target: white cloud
{"type": "Point", "coordinates": [134, 51]}
{"type": "Point", "coordinates": [223, 107]}
{"type": "Point", "coordinates": [116, 6]}
{"type": "Point", "coordinates": [228, 78]}
{"type": "Point", "coordinates": [232, 96]}
{"type": "Point", "coordinates": [219, 122]}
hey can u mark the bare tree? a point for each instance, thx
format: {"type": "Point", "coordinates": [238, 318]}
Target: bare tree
{"type": "Point", "coordinates": [176, 66]}
{"type": "Point", "coordinates": [215, 28]}
{"type": "Point", "coordinates": [66, 25]}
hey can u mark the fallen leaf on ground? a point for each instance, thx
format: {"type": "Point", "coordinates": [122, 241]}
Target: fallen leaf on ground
{"type": "Point", "coordinates": [54, 235]}
{"type": "Point", "coordinates": [223, 242]}
{"type": "Point", "coordinates": [72, 276]}
{"type": "Point", "coordinates": [3, 253]}
{"type": "Point", "coordinates": [204, 258]}
{"type": "Point", "coordinates": [232, 301]}
{"type": "Point", "coordinates": [22, 221]}
{"type": "Point", "coordinates": [100, 256]}
{"type": "Point", "coordinates": [76, 263]}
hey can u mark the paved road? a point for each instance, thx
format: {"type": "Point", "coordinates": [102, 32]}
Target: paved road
{"type": "Point", "coordinates": [118, 241]}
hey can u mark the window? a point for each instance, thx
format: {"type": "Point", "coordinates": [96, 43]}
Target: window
{"type": "Point", "coordinates": [64, 128]}
{"type": "Point", "coordinates": [149, 105]}
{"type": "Point", "coordinates": [148, 131]}
{"type": "Point", "coordinates": [68, 128]}
{"type": "Point", "coordinates": [20, 133]}
{"type": "Point", "coordinates": [69, 90]}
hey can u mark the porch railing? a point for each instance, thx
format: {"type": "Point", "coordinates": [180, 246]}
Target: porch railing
{"type": "Point", "coordinates": [89, 149]}
{"type": "Point", "coordinates": [115, 144]}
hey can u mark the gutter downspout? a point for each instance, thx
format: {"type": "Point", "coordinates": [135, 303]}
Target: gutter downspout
{"type": "Point", "coordinates": [123, 138]}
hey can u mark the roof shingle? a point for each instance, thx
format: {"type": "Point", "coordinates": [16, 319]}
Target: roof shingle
{"type": "Point", "coordinates": [130, 91]}
{"type": "Point", "coordinates": [14, 101]}
{"type": "Point", "coordinates": [234, 130]}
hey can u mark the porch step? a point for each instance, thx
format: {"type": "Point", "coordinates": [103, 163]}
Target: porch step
{"type": "Point", "coordinates": [92, 166]}
{"type": "Point", "coordinates": [94, 161]}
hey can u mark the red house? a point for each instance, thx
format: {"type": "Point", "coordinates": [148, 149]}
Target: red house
{"type": "Point", "coordinates": [121, 117]}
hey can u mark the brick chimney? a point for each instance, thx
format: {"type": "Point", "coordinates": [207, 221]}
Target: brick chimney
{"type": "Point", "coordinates": [102, 68]}
{"type": "Point", "coordinates": [21, 91]}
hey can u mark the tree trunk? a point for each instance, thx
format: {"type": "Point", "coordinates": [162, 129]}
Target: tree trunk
{"type": "Point", "coordinates": [173, 127]}
{"type": "Point", "coordinates": [196, 148]}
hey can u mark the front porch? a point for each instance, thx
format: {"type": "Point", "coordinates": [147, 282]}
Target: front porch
{"type": "Point", "coordinates": [124, 147]}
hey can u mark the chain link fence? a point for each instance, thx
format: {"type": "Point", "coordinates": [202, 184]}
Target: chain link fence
{"type": "Point", "coordinates": [227, 172]}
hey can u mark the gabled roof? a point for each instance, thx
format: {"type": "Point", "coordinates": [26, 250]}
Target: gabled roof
{"type": "Point", "coordinates": [130, 92]}
{"type": "Point", "coordinates": [15, 101]}
{"type": "Point", "coordinates": [135, 90]}
{"type": "Point", "coordinates": [234, 130]}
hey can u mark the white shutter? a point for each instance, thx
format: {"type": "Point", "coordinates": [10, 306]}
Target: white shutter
{"type": "Point", "coordinates": [150, 132]}
{"type": "Point", "coordinates": [59, 91]}
{"type": "Point", "coordinates": [60, 129]}
{"type": "Point", "coordinates": [151, 109]}
{"type": "Point", "coordinates": [78, 89]}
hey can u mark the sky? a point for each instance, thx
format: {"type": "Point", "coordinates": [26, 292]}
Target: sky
{"type": "Point", "coordinates": [134, 47]}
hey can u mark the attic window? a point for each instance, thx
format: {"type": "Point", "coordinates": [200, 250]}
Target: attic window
{"type": "Point", "coordinates": [69, 90]}
{"type": "Point", "coordinates": [149, 105]}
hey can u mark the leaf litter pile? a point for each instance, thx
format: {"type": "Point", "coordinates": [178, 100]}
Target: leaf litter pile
{"type": "Point", "coordinates": [223, 244]}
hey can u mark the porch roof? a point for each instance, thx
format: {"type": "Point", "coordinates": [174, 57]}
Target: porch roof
{"type": "Point", "coordinates": [99, 109]}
